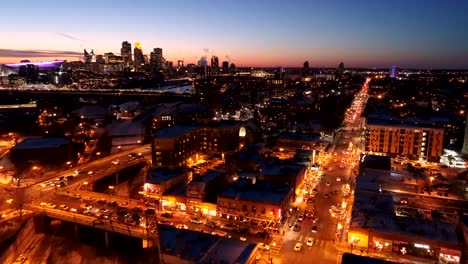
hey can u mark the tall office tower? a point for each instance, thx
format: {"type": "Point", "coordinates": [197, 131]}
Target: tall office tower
{"type": "Point", "coordinates": [214, 64]}
{"type": "Point", "coordinates": [126, 52]}
{"type": "Point", "coordinates": [225, 66]}
{"type": "Point", "coordinates": [465, 142]}
{"type": "Point", "coordinates": [88, 56]}
{"type": "Point", "coordinates": [139, 59]}
{"type": "Point", "coordinates": [305, 69]}
{"type": "Point", "coordinates": [393, 72]}
{"type": "Point", "coordinates": [156, 60]}
{"type": "Point", "coordinates": [340, 70]}
{"type": "Point", "coordinates": [180, 64]}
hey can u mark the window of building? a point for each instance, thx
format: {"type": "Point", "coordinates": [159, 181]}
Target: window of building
{"type": "Point", "coordinates": [158, 153]}
{"type": "Point", "coordinates": [254, 209]}
{"type": "Point", "coordinates": [244, 207]}
{"type": "Point", "coordinates": [166, 118]}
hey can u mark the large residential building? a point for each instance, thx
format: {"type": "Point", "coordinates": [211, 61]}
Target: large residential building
{"type": "Point", "coordinates": [411, 140]}
{"type": "Point", "coordinates": [178, 145]}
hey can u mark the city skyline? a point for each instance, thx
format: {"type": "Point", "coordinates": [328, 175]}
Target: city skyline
{"type": "Point", "coordinates": [419, 34]}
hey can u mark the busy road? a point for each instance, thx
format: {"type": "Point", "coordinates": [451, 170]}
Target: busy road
{"type": "Point", "coordinates": [317, 225]}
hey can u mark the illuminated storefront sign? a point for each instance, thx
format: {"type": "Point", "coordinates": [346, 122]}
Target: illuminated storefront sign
{"type": "Point", "coordinates": [421, 246]}
{"type": "Point", "coordinates": [449, 256]}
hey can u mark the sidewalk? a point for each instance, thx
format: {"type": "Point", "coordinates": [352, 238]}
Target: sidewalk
{"type": "Point", "coordinates": [343, 247]}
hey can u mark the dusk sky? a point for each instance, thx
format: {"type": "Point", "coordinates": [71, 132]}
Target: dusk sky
{"type": "Point", "coordinates": [361, 33]}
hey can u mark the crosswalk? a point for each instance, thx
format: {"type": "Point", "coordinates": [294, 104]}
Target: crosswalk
{"type": "Point", "coordinates": [317, 242]}
{"type": "Point", "coordinates": [276, 245]}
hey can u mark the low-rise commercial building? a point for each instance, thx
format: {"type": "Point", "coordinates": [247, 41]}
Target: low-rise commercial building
{"type": "Point", "coordinates": [375, 226]}
{"type": "Point", "coordinates": [247, 200]}
{"type": "Point", "coordinates": [385, 219]}
{"type": "Point", "coordinates": [292, 141]}
{"type": "Point", "coordinates": [202, 193]}
{"type": "Point", "coordinates": [160, 180]}
{"type": "Point", "coordinates": [52, 151]}
{"type": "Point", "coordinates": [283, 171]}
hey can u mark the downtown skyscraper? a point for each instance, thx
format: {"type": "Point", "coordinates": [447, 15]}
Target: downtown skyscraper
{"type": "Point", "coordinates": [126, 52]}
{"type": "Point", "coordinates": [156, 60]}
{"type": "Point", "coordinates": [139, 59]}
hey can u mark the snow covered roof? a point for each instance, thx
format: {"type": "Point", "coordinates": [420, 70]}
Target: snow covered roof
{"type": "Point", "coordinates": [260, 191]}
{"type": "Point", "coordinates": [199, 247]}
{"type": "Point", "coordinates": [35, 143]}
{"type": "Point", "coordinates": [160, 175]}
{"type": "Point", "coordinates": [376, 211]}
{"type": "Point", "coordinates": [92, 111]}
{"type": "Point", "coordinates": [126, 128]}
{"type": "Point", "coordinates": [175, 131]}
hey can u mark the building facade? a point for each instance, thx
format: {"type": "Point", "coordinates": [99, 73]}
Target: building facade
{"type": "Point", "coordinates": [126, 52]}
{"type": "Point", "coordinates": [258, 200]}
{"type": "Point", "coordinates": [156, 60]}
{"type": "Point", "coordinates": [175, 146]}
{"type": "Point", "coordinates": [139, 59]}
{"type": "Point", "coordinates": [410, 140]}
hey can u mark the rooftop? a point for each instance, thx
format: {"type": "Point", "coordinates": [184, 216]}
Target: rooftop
{"type": "Point", "coordinates": [299, 136]}
{"type": "Point", "coordinates": [125, 128]}
{"type": "Point", "coordinates": [376, 162]}
{"type": "Point", "coordinates": [92, 111]}
{"type": "Point", "coordinates": [208, 176]}
{"type": "Point", "coordinates": [260, 191]}
{"type": "Point", "coordinates": [400, 123]}
{"type": "Point", "coordinates": [160, 175]}
{"type": "Point", "coordinates": [199, 247]}
{"type": "Point", "coordinates": [373, 180]}
{"type": "Point", "coordinates": [35, 143]}
{"type": "Point", "coordinates": [175, 131]}
{"type": "Point", "coordinates": [278, 167]}
{"type": "Point", "coordinates": [376, 211]}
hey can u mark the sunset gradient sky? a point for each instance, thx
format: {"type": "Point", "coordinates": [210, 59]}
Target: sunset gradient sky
{"type": "Point", "coordinates": [361, 33]}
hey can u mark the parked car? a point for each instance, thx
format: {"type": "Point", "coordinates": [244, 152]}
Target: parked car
{"type": "Point", "coordinates": [228, 227]}
{"type": "Point", "coordinates": [310, 242]}
{"type": "Point", "coordinates": [211, 224]}
{"type": "Point", "coordinates": [86, 206]}
{"type": "Point", "coordinates": [196, 221]}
